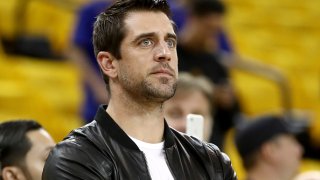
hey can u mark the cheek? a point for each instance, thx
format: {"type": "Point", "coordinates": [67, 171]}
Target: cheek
{"type": "Point", "coordinates": [35, 167]}
{"type": "Point", "coordinates": [288, 154]}
{"type": "Point", "coordinates": [128, 71]}
{"type": "Point", "coordinates": [179, 125]}
{"type": "Point", "coordinates": [208, 123]}
{"type": "Point", "coordinates": [297, 149]}
{"type": "Point", "coordinates": [175, 61]}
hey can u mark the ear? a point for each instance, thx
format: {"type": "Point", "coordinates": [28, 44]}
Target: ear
{"type": "Point", "coordinates": [12, 173]}
{"type": "Point", "coordinates": [107, 63]}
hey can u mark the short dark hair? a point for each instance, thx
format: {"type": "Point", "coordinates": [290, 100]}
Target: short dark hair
{"type": "Point", "coordinates": [202, 8]}
{"type": "Point", "coordinates": [109, 31]}
{"type": "Point", "coordinates": [250, 160]}
{"type": "Point", "coordinates": [14, 144]}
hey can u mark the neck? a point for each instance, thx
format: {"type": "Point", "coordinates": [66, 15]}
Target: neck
{"type": "Point", "coordinates": [140, 119]}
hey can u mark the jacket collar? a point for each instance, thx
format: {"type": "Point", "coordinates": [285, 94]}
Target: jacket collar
{"type": "Point", "coordinates": [111, 128]}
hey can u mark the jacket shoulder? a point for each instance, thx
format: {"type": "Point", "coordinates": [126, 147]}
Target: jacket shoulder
{"type": "Point", "coordinates": [220, 161]}
{"type": "Point", "coordinates": [225, 162]}
{"type": "Point", "coordinates": [77, 157]}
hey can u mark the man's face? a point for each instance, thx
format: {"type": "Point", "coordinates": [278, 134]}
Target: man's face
{"type": "Point", "coordinates": [35, 159]}
{"type": "Point", "coordinates": [289, 154]}
{"type": "Point", "coordinates": [190, 102]}
{"type": "Point", "coordinates": [148, 64]}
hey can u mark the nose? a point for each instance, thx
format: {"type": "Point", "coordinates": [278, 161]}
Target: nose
{"type": "Point", "coordinates": [162, 52]}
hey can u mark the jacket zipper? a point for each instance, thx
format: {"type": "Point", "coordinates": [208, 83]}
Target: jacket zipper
{"type": "Point", "coordinates": [145, 161]}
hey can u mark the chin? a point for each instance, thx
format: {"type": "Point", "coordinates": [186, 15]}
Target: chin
{"type": "Point", "coordinates": [161, 91]}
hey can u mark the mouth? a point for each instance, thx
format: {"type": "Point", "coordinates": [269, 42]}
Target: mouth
{"type": "Point", "coordinates": [163, 72]}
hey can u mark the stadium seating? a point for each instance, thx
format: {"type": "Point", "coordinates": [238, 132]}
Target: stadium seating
{"type": "Point", "coordinates": [284, 34]}
{"type": "Point", "coordinates": [49, 92]}
{"type": "Point", "coordinates": [45, 19]}
{"type": "Point", "coordinates": [42, 89]}
{"type": "Point", "coordinates": [8, 16]}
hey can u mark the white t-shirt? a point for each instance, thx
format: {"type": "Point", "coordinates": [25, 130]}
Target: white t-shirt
{"type": "Point", "coordinates": [155, 157]}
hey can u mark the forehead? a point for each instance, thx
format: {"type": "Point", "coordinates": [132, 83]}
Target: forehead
{"type": "Point", "coordinates": [138, 22]}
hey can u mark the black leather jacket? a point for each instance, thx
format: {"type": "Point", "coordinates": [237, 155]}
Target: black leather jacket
{"type": "Point", "coordinates": [102, 150]}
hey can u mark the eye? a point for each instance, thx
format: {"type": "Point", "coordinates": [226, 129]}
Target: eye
{"type": "Point", "coordinates": [146, 42]}
{"type": "Point", "coordinates": [171, 43]}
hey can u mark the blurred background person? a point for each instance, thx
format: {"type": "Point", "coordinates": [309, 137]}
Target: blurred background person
{"type": "Point", "coordinates": [81, 54]}
{"type": "Point", "coordinates": [193, 96]}
{"type": "Point", "coordinates": [204, 49]}
{"type": "Point", "coordinates": [268, 148]}
{"type": "Point", "coordinates": [24, 148]}
{"type": "Point", "coordinates": [199, 53]}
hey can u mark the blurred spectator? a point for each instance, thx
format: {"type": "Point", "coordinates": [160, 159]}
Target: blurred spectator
{"type": "Point", "coordinates": [204, 49]}
{"type": "Point", "coordinates": [198, 52]}
{"type": "Point", "coordinates": [81, 53]}
{"type": "Point", "coordinates": [24, 147]}
{"type": "Point", "coordinates": [178, 9]}
{"type": "Point", "coordinates": [193, 96]}
{"type": "Point", "coordinates": [268, 148]}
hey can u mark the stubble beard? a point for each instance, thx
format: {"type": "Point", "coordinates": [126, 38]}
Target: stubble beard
{"type": "Point", "coordinates": [162, 93]}
{"type": "Point", "coordinates": [148, 89]}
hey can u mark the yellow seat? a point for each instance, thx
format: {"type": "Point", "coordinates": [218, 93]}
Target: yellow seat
{"type": "Point", "coordinates": [49, 92]}
{"type": "Point", "coordinates": [288, 40]}
{"type": "Point", "coordinates": [232, 152]}
{"type": "Point", "coordinates": [9, 14]}
{"type": "Point", "coordinates": [257, 95]}
{"type": "Point", "coordinates": [47, 19]}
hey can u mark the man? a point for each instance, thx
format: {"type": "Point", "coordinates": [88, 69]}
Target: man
{"type": "Point", "coordinates": [199, 53]}
{"type": "Point", "coordinates": [81, 52]}
{"type": "Point", "coordinates": [135, 45]}
{"type": "Point", "coordinates": [193, 96]}
{"type": "Point", "coordinates": [268, 148]}
{"type": "Point", "coordinates": [24, 147]}
{"type": "Point", "coordinates": [82, 55]}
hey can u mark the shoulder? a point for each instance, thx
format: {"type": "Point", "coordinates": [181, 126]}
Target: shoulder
{"type": "Point", "coordinates": [225, 162]}
{"type": "Point", "coordinates": [209, 153]}
{"type": "Point", "coordinates": [77, 157]}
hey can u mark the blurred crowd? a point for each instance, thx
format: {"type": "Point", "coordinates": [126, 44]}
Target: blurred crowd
{"type": "Point", "coordinates": [263, 111]}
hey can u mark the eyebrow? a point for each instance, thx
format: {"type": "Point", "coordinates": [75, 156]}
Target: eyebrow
{"type": "Point", "coordinates": [172, 35]}
{"type": "Point", "coordinates": [145, 35]}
